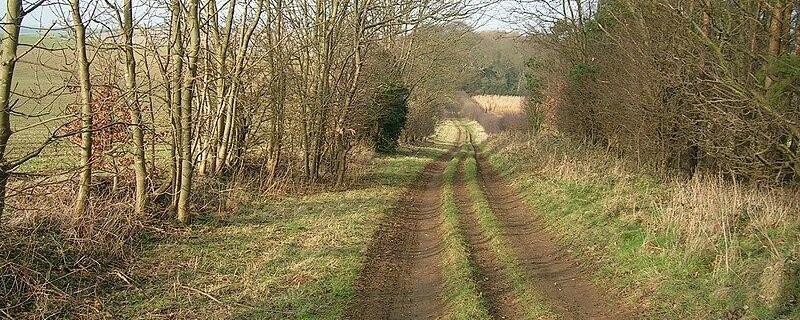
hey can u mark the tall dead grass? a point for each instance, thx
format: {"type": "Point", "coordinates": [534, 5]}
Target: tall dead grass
{"type": "Point", "coordinates": [54, 264]}
{"type": "Point", "coordinates": [501, 105]}
{"type": "Point", "coordinates": [494, 113]}
{"type": "Point", "coordinates": [747, 232]}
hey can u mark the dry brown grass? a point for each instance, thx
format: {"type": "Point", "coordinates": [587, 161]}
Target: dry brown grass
{"type": "Point", "coordinates": [494, 113]}
{"type": "Point", "coordinates": [708, 210]}
{"type": "Point", "coordinates": [739, 240]}
{"type": "Point", "coordinates": [501, 105]}
{"type": "Point", "coordinates": [55, 264]}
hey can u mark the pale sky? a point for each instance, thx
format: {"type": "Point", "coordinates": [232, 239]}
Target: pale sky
{"type": "Point", "coordinates": [43, 17]}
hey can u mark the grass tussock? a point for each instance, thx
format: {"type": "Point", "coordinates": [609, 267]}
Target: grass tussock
{"type": "Point", "coordinates": [702, 248]}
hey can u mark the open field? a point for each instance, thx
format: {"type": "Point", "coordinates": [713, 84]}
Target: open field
{"type": "Point", "coordinates": [494, 113]}
{"type": "Point", "coordinates": [45, 88]}
{"type": "Point", "coordinates": [501, 105]}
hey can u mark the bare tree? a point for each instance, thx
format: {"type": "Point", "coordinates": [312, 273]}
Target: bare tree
{"type": "Point", "coordinates": [82, 201]}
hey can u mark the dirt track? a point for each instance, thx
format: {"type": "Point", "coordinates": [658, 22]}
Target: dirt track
{"type": "Point", "coordinates": [556, 274]}
{"type": "Point", "coordinates": [491, 275]}
{"type": "Point", "coordinates": [402, 276]}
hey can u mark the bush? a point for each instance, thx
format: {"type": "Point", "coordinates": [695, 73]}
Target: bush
{"type": "Point", "coordinates": [390, 127]}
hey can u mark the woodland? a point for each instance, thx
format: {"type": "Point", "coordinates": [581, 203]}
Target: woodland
{"type": "Point", "coordinates": [256, 158]}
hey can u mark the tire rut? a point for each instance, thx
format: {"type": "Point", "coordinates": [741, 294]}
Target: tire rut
{"type": "Point", "coordinates": [555, 273]}
{"type": "Point", "coordinates": [402, 276]}
{"type": "Point", "coordinates": [494, 285]}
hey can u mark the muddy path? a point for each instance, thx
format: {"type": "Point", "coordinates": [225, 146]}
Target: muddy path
{"type": "Point", "coordinates": [556, 275]}
{"type": "Point", "coordinates": [493, 282]}
{"type": "Point", "coordinates": [402, 276]}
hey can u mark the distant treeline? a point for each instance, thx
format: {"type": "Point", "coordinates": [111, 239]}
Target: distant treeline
{"type": "Point", "coordinates": [499, 64]}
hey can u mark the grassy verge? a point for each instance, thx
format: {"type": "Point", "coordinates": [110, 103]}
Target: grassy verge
{"type": "Point", "coordinates": [702, 249]}
{"type": "Point", "coordinates": [287, 257]}
{"type": "Point", "coordinates": [533, 305]}
{"type": "Point", "coordinates": [461, 292]}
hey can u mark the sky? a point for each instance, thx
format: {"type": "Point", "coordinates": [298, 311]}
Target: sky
{"type": "Point", "coordinates": [490, 19]}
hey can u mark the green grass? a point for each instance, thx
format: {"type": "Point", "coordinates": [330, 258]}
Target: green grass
{"type": "Point", "coordinates": [40, 79]}
{"type": "Point", "coordinates": [288, 257]}
{"type": "Point", "coordinates": [615, 220]}
{"type": "Point", "coordinates": [461, 292]}
{"type": "Point", "coordinates": [532, 303]}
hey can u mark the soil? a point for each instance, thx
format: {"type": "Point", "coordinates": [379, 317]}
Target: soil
{"type": "Point", "coordinates": [492, 280]}
{"type": "Point", "coordinates": [402, 276]}
{"type": "Point", "coordinates": [557, 275]}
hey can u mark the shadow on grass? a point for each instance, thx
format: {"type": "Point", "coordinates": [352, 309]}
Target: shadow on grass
{"type": "Point", "coordinates": [298, 255]}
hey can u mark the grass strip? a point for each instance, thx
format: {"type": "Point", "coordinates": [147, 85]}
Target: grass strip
{"type": "Point", "coordinates": [294, 257]}
{"type": "Point", "coordinates": [461, 291]}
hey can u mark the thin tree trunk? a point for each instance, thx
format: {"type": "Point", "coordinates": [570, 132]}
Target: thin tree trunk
{"type": "Point", "coordinates": [82, 201]}
{"type": "Point", "coordinates": [278, 96]}
{"type": "Point", "coordinates": [221, 43]}
{"type": "Point", "coordinates": [708, 9]}
{"type": "Point", "coordinates": [175, 93]}
{"type": "Point", "coordinates": [797, 28]}
{"type": "Point", "coordinates": [775, 38]}
{"type": "Point", "coordinates": [137, 135]}
{"type": "Point", "coordinates": [755, 48]}
{"type": "Point", "coordinates": [9, 62]}
{"type": "Point", "coordinates": [186, 112]}
{"type": "Point", "coordinates": [776, 29]}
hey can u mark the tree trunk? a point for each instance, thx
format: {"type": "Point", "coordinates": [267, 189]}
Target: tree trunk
{"type": "Point", "coordinates": [82, 201]}
{"type": "Point", "coordinates": [708, 9]}
{"type": "Point", "coordinates": [9, 62]}
{"type": "Point", "coordinates": [221, 42]}
{"type": "Point", "coordinates": [175, 93]}
{"type": "Point", "coordinates": [137, 136]}
{"type": "Point", "coordinates": [278, 90]}
{"type": "Point", "coordinates": [775, 38]}
{"type": "Point", "coordinates": [776, 29]}
{"type": "Point", "coordinates": [187, 161]}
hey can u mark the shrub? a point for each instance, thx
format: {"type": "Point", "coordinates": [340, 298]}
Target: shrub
{"type": "Point", "coordinates": [390, 127]}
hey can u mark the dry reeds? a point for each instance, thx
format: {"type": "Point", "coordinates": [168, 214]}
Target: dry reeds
{"type": "Point", "coordinates": [494, 113]}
